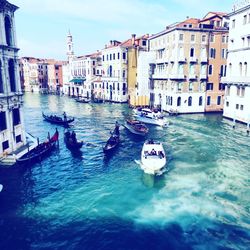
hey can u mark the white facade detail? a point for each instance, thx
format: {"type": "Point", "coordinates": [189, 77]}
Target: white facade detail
{"type": "Point", "coordinates": [237, 80]}
{"type": "Point", "coordinates": [115, 71]}
{"type": "Point", "coordinates": [12, 134]}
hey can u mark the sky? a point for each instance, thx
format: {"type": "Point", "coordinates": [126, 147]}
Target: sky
{"type": "Point", "coordinates": [42, 26]}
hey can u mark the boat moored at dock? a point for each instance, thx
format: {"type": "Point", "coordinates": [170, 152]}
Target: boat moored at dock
{"type": "Point", "coordinates": [153, 158]}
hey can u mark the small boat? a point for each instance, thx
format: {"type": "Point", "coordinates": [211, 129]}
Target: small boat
{"type": "Point", "coordinates": [65, 121]}
{"type": "Point", "coordinates": [113, 141]}
{"type": "Point", "coordinates": [1, 188]}
{"type": "Point", "coordinates": [41, 150]}
{"type": "Point", "coordinates": [173, 112]}
{"type": "Point", "coordinates": [136, 127]}
{"type": "Point", "coordinates": [82, 100]}
{"type": "Point", "coordinates": [153, 158]}
{"type": "Point", "coordinates": [97, 100]}
{"type": "Point", "coordinates": [149, 116]}
{"type": "Point", "coordinates": [71, 142]}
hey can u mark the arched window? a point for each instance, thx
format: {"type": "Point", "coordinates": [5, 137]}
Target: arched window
{"type": "Point", "coordinates": [230, 69]}
{"type": "Point", "coordinates": [240, 68]}
{"type": "Point", "coordinates": [110, 71]}
{"type": "Point", "coordinates": [200, 101]}
{"type": "Point", "coordinates": [245, 68]}
{"type": "Point", "coordinates": [179, 101]}
{"type": "Point", "coordinates": [192, 52]}
{"type": "Point", "coordinates": [189, 101]}
{"type": "Point", "coordinates": [171, 100]}
{"type": "Point", "coordinates": [8, 31]}
{"type": "Point", "coordinates": [1, 78]}
{"type": "Point", "coordinates": [12, 75]}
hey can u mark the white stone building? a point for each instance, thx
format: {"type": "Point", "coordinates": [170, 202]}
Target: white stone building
{"type": "Point", "coordinates": [115, 71]}
{"type": "Point", "coordinates": [237, 80]}
{"type": "Point", "coordinates": [81, 74]}
{"type": "Point", "coordinates": [12, 134]}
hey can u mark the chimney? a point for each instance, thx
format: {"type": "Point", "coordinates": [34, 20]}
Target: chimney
{"type": "Point", "coordinates": [111, 42]}
{"type": "Point", "coordinates": [133, 39]}
{"type": "Point", "coordinates": [106, 46]}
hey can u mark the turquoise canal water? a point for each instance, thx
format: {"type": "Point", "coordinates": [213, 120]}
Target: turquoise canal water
{"type": "Point", "coordinates": [84, 201]}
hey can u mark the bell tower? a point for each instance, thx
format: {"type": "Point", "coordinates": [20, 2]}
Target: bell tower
{"type": "Point", "coordinates": [70, 48]}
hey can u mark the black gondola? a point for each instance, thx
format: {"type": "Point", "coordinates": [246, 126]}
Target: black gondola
{"type": "Point", "coordinates": [58, 120]}
{"type": "Point", "coordinates": [113, 140]}
{"type": "Point", "coordinates": [97, 100]}
{"type": "Point", "coordinates": [41, 150]}
{"type": "Point", "coordinates": [71, 142]}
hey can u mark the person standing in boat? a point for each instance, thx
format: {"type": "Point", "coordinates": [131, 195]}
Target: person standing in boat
{"type": "Point", "coordinates": [64, 116]}
{"type": "Point", "coordinates": [117, 132]}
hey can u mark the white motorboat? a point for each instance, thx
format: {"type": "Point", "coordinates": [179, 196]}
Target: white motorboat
{"type": "Point", "coordinates": [153, 157]}
{"type": "Point", "coordinates": [1, 187]}
{"type": "Point", "coordinates": [152, 117]}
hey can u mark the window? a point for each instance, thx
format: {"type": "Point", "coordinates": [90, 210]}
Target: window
{"type": "Point", "coordinates": [1, 78]}
{"type": "Point", "coordinates": [8, 31]}
{"type": "Point", "coordinates": [245, 68]}
{"type": "Point", "coordinates": [124, 55]}
{"type": "Point", "coordinates": [241, 107]}
{"type": "Point", "coordinates": [110, 57]}
{"type": "Point", "coordinates": [210, 69]}
{"type": "Point", "coordinates": [144, 42]}
{"type": "Point", "coordinates": [118, 55]}
{"type": "Point", "coordinates": [12, 75]}
{"type": "Point", "coordinates": [223, 53]}
{"type": "Point", "coordinates": [189, 101]}
{"type": "Point", "coordinates": [237, 106]}
{"type": "Point", "coordinates": [180, 37]}
{"type": "Point", "coordinates": [124, 73]}
{"type": "Point", "coordinates": [200, 101]}
{"type": "Point", "coordinates": [240, 68]}
{"type": "Point", "coordinates": [243, 41]}
{"type": "Point", "coordinates": [203, 38]}
{"type": "Point", "coordinates": [18, 138]}
{"type": "Point", "coordinates": [192, 52]}
{"type": "Point", "coordinates": [107, 57]}
{"type": "Point", "coordinates": [179, 101]}
{"type": "Point", "coordinates": [244, 19]}
{"type": "Point", "coordinates": [218, 100]}
{"type": "Point", "coordinates": [233, 24]}
{"type": "Point", "coordinates": [103, 58]}
{"type": "Point", "coordinates": [179, 86]}
{"type": "Point", "coordinates": [113, 56]}
{"type": "Point", "coordinates": [212, 38]}
{"type": "Point", "coordinates": [3, 124]}
{"type": "Point", "coordinates": [190, 86]}
{"type": "Point", "coordinates": [210, 86]}
{"type": "Point", "coordinates": [5, 145]}
{"type": "Point", "coordinates": [192, 38]}
{"type": "Point", "coordinates": [227, 104]}
{"type": "Point", "coordinates": [212, 53]}
{"type": "Point", "coordinates": [208, 100]}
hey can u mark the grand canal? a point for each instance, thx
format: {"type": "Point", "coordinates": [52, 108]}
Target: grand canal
{"type": "Point", "coordinates": [84, 201]}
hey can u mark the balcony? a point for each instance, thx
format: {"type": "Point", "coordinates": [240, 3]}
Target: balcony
{"type": "Point", "coordinates": [236, 80]}
{"type": "Point", "coordinates": [203, 76]}
{"type": "Point", "coordinates": [192, 76]}
{"type": "Point", "coordinates": [178, 76]}
{"type": "Point", "coordinates": [193, 59]}
{"type": "Point", "coordinates": [182, 59]}
{"type": "Point", "coordinates": [158, 75]}
{"type": "Point", "coordinates": [203, 59]}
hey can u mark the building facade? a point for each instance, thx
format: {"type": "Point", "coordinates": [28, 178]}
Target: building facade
{"type": "Point", "coordinates": [34, 72]}
{"type": "Point", "coordinates": [237, 80]}
{"type": "Point", "coordinates": [115, 72]}
{"type": "Point", "coordinates": [81, 75]}
{"type": "Point", "coordinates": [180, 73]}
{"type": "Point", "coordinates": [12, 133]}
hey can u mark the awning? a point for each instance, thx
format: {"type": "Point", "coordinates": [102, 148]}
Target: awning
{"type": "Point", "coordinates": [77, 80]}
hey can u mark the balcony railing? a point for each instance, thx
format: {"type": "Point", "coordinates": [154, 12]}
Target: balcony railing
{"type": "Point", "coordinates": [178, 76]}
{"type": "Point", "coordinates": [203, 59]}
{"type": "Point", "coordinates": [193, 59]}
{"type": "Point", "coordinates": [236, 80]}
